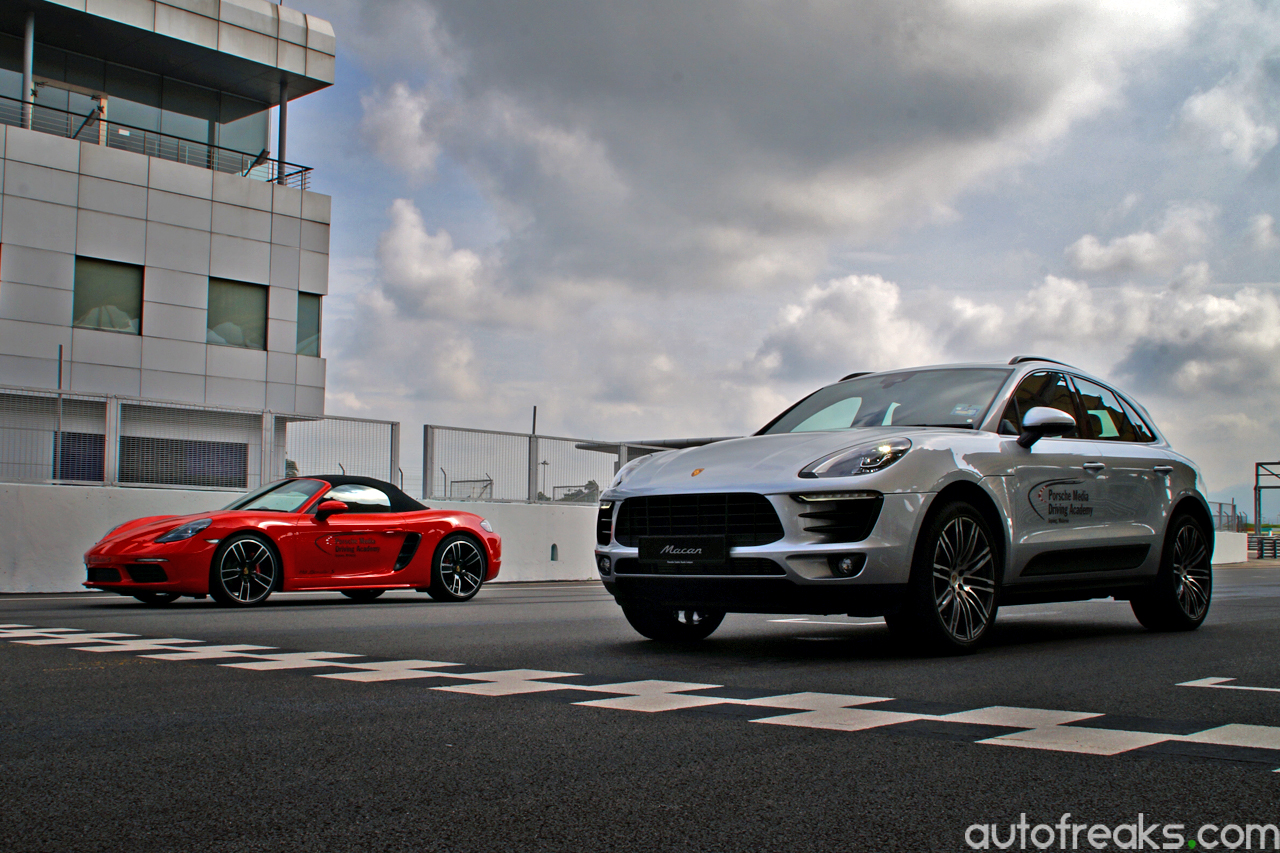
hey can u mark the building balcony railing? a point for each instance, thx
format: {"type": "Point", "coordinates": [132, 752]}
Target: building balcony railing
{"type": "Point", "coordinates": [152, 143]}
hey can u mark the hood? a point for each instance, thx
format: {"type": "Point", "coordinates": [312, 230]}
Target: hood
{"type": "Point", "coordinates": [147, 529]}
{"type": "Point", "coordinates": [748, 463]}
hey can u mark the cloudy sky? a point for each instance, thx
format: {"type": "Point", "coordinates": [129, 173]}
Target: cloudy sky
{"type": "Point", "coordinates": [673, 218]}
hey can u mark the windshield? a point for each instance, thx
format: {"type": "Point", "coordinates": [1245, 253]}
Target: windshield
{"type": "Point", "coordinates": [946, 397]}
{"type": "Point", "coordinates": [280, 496]}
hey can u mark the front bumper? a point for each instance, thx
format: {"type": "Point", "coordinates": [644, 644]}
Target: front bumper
{"type": "Point", "coordinates": [803, 581]}
{"type": "Point", "coordinates": [181, 567]}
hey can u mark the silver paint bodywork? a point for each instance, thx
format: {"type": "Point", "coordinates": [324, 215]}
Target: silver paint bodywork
{"type": "Point", "coordinates": [1060, 494]}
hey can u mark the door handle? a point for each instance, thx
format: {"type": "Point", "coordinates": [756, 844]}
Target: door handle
{"type": "Point", "coordinates": [1163, 469]}
{"type": "Point", "coordinates": [1093, 466]}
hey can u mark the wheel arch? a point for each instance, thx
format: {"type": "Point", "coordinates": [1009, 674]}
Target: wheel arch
{"type": "Point", "coordinates": [981, 500]}
{"type": "Point", "coordinates": [1193, 506]}
{"type": "Point", "coordinates": [257, 534]}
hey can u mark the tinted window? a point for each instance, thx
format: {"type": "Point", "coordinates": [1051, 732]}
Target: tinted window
{"type": "Point", "coordinates": [1039, 389]}
{"type": "Point", "coordinates": [237, 314]}
{"type": "Point", "coordinates": [107, 296]}
{"type": "Point", "coordinates": [954, 398]}
{"type": "Point", "coordinates": [360, 498]}
{"type": "Point", "coordinates": [1107, 418]}
{"type": "Point", "coordinates": [1140, 427]}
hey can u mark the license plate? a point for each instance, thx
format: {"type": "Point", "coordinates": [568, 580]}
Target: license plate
{"type": "Point", "coordinates": [683, 550]}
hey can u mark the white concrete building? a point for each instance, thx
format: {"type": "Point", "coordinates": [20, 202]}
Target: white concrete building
{"type": "Point", "coordinates": [150, 245]}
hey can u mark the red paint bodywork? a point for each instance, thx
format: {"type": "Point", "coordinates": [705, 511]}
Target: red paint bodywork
{"type": "Point", "coordinates": [341, 551]}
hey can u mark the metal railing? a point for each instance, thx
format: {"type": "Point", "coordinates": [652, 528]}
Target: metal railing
{"type": "Point", "coordinates": [477, 464]}
{"type": "Point", "coordinates": [90, 128]}
{"type": "Point", "coordinates": [1226, 517]}
{"type": "Point", "coordinates": [96, 439]}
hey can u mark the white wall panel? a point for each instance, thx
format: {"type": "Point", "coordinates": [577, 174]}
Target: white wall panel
{"type": "Point", "coordinates": [37, 266]}
{"type": "Point", "coordinates": [282, 336]}
{"type": "Point", "coordinates": [174, 248]}
{"type": "Point", "coordinates": [309, 400]}
{"type": "Point", "coordinates": [42, 149]}
{"type": "Point", "coordinates": [236, 363]}
{"type": "Point", "coordinates": [182, 210]}
{"type": "Point", "coordinates": [235, 392]}
{"type": "Point", "coordinates": [280, 398]}
{"type": "Point", "coordinates": [38, 224]}
{"type": "Point", "coordinates": [182, 387]}
{"type": "Point", "coordinates": [317, 207]}
{"type": "Point", "coordinates": [244, 192]}
{"type": "Point", "coordinates": [187, 26]}
{"type": "Point", "coordinates": [286, 201]}
{"type": "Point", "coordinates": [240, 260]}
{"type": "Point", "coordinates": [33, 304]}
{"type": "Point", "coordinates": [282, 304]}
{"type": "Point", "coordinates": [180, 178]}
{"type": "Point", "coordinates": [118, 349]}
{"type": "Point", "coordinates": [282, 368]}
{"type": "Point", "coordinates": [311, 371]}
{"type": "Point", "coordinates": [315, 237]}
{"type": "Point", "coordinates": [284, 267]}
{"type": "Point", "coordinates": [34, 339]}
{"type": "Point", "coordinates": [41, 183]}
{"type": "Point", "coordinates": [238, 41]}
{"type": "Point", "coordinates": [27, 372]}
{"type": "Point", "coordinates": [173, 356]}
{"type": "Point", "coordinates": [175, 288]}
{"type": "Point", "coordinates": [243, 222]}
{"type": "Point", "coordinates": [102, 162]}
{"type": "Point", "coordinates": [313, 272]}
{"type": "Point", "coordinates": [111, 237]}
{"type": "Point", "coordinates": [102, 379]}
{"type": "Point", "coordinates": [174, 322]}
{"type": "Point", "coordinates": [135, 13]}
{"type": "Point", "coordinates": [113, 197]}
{"type": "Point", "coordinates": [286, 230]}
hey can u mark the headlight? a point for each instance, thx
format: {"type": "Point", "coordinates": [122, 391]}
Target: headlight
{"type": "Point", "coordinates": [485, 525]}
{"type": "Point", "coordinates": [627, 470]}
{"type": "Point", "coordinates": [186, 531]}
{"type": "Point", "coordinates": [863, 459]}
{"type": "Point", "coordinates": [107, 535]}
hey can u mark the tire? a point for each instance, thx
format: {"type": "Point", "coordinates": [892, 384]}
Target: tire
{"type": "Point", "coordinates": [458, 568]}
{"type": "Point", "coordinates": [673, 626]}
{"type": "Point", "coordinates": [157, 599]}
{"type": "Point", "coordinates": [1179, 599]}
{"type": "Point", "coordinates": [245, 571]}
{"type": "Point", "coordinates": [363, 596]}
{"type": "Point", "coordinates": [954, 589]}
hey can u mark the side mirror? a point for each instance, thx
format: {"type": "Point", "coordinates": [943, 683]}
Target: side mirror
{"type": "Point", "coordinates": [328, 508]}
{"type": "Point", "coordinates": [1041, 421]}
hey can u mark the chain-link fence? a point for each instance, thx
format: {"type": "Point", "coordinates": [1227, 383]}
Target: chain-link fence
{"type": "Point", "coordinates": [1226, 517]}
{"type": "Point", "coordinates": [59, 437]}
{"type": "Point", "coordinates": [473, 464]}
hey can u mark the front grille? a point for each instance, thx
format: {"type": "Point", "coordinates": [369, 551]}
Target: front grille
{"type": "Point", "coordinates": [842, 520]}
{"type": "Point", "coordinates": [744, 519]}
{"type": "Point", "coordinates": [146, 573]}
{"type": "Point", "coordinates": [737, 567]}
{"type": "Point", "coordinates": [101, 575]}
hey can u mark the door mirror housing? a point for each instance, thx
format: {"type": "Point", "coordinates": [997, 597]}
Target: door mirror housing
{"type": "Point", "coordinates": [1041, 421]}
{"type": "Point", "coordinates": [328, 508]}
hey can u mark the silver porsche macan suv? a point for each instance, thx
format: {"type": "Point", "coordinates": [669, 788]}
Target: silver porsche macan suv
{"type": "Point", "coordinates": [930, 496]}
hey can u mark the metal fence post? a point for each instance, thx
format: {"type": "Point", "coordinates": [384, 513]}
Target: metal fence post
{"type": "Point", "coordinates": [111, 443]}
{"type": "Point", "coordinates": [428, 460]}
{"type": "Point", "coordinates": [395, 454]}
{"type": "Point", "coordinates": [533, 469]}
{"type": "Point", "coordinates": [266, 459]}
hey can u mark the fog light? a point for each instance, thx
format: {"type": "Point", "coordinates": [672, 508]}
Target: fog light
{"type": "Point", "coordinates": [846, 565]}
{"type": "Point", "coordinates": [604, 565]}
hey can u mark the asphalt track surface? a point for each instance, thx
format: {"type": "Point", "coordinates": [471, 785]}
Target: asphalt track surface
{"type": "Point", "coordinates": [278, 749]}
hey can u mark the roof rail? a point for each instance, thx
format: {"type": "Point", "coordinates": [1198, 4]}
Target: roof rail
{"type": "Point", "coordinates": [1019, 359]}
{"type": "Point", "coordinates": [856, 375]}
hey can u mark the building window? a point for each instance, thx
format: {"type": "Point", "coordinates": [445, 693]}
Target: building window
{"type": "Point", "coordinates": [237, 314]}
{"type": "Point", "coordinates": [107, 296]}
{"type": "Point", "coordinates": [308, 324]}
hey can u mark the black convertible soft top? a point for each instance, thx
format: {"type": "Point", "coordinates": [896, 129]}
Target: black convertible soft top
{"type": "Point", "coordinates": [400, 502]}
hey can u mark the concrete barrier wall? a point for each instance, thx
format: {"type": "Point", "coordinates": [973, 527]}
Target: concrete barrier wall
{"type": "Point", "coordinates": [45, 530]}
{"type": "Point", "coordinates": [1230, 548]}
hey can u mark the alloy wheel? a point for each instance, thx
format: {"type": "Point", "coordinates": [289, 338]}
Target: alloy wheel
{"type": "Point", "coordinates": [247, 571]}
{"type": "Point", "coordinates": [964, 579]}
{"type": "Point", "coordinates": [1191, 572]}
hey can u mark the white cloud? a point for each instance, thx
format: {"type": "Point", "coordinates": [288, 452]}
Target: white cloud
{"type": "Point", "coordinates": [1231, 119]}
{"type": "Point", "coordinates": [1182, 235]}
{"type": "Point", "coordinates": [400, 126]}
{"type": "Point", "coordinates": [1261, 232]}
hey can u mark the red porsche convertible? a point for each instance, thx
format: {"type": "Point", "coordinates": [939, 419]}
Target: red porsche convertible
{"type": "Point", "coordinates": [354, 535]}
